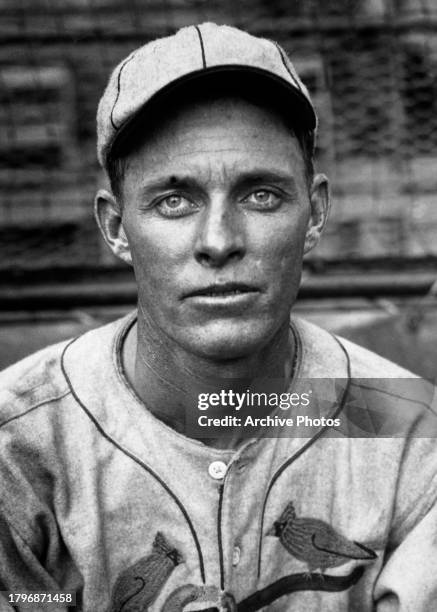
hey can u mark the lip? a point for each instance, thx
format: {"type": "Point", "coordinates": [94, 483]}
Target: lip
{"type": "Point", "coordinates": [223, 291]}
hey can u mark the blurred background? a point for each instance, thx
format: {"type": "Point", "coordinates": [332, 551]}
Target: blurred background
{"type": "Point", "coordinates": [371, 66]}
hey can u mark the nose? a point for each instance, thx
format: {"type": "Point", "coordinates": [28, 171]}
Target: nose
{"type": "Point", "coordinates": [220, 238]}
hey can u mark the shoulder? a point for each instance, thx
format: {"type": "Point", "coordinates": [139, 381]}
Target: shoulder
{"type": "Point", "coordinates": [31, 382]}
{"type": "Point", "coordinates": [40, 378]}
{"type": "Point", "coordinates": [42, 424]}
{"type": "Point", "coordinates": [383, 398]}
{"type": "Point", "coordinates": [330, 353]}
{"type": "Point", "coordinates": [368, 364]}
{"type": "Point", "coordinates": [387, 409]}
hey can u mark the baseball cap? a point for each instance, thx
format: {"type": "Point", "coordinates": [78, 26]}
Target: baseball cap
{"type": "Point", "coordinates": [193, 55]}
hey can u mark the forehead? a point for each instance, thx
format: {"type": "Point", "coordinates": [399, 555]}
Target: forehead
{"type": "Point", "coordinates": [222, 135]}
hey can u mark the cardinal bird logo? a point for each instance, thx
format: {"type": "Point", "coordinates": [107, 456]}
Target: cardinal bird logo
{"type": "Point", "coordinates": [315, 542]}
{"type": "Point", "coordinates": [139, 585]}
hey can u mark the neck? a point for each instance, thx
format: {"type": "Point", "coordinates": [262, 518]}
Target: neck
{"type": "Point", "coordinates": [170, 379]}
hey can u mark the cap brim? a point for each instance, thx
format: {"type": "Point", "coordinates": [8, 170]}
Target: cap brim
{"type": "Point", "coordinates": [242, 80]}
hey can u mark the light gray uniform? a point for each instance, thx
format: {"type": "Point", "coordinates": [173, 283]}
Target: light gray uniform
{"type": "Point", "coordinates": [100, 497]}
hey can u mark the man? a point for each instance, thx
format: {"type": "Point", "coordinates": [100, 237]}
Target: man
{"type": "Point", "coordinates": [111, 487]}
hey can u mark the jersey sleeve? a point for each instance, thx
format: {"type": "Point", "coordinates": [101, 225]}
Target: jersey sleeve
{"type": "Point", "coordinates": [33, 554]}
{"type": "Point", "coordinates": [409, 578]}
{"type": "Point", "coordinates": [21, 570]}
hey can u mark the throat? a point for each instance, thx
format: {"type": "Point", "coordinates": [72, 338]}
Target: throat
{"type": "Point", "coordinates": [172, 386]}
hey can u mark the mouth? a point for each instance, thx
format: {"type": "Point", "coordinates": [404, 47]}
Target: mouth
{"type": "Point", "coordinates": [223, 291]}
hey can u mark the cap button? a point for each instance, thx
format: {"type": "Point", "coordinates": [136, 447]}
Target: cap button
{"type": "Point", "coordinates": [217, 470]}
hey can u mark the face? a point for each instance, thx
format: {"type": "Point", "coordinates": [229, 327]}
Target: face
{"type": "Point", "coordinates": [216, 216]}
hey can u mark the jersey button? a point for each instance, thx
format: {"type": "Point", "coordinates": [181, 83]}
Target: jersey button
{"type": "Point", "coordinates": [236, 555]}
{"type": "Point", "coordinates": [217, 470]}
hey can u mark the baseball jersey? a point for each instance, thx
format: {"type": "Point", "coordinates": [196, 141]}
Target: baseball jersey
{"type": "Point", "coordinates": [99, 497]}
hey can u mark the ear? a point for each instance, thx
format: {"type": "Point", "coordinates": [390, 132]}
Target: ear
{"type": "Point", "coordinates": [108, 215]}
{"type": "Point", "coordinates": [320, 205]}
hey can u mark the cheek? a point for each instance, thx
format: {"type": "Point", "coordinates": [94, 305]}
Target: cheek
{"type": "Point", "coordinates": [157, 252]}
{"type": "Point", "coordinates": [279, 249]}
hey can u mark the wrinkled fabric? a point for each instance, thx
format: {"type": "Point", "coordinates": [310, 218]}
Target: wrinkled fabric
{"type": "Point", "coordinates": [100, 497]}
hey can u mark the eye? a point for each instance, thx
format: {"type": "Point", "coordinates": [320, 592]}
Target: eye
{"type": "Point", "coordinates": [263, 199]}
{"type": "Point", "coordinates": [175, 205]}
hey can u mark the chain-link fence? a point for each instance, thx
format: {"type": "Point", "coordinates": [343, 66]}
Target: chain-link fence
{"type": "Point", "coordinates": [371, 66]}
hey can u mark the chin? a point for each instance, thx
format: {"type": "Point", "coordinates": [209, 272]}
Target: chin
{"type": "Point", "coordinates": [221, 341]}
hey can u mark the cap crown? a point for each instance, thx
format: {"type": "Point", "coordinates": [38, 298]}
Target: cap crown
{"type": "Point", "coordinates": [192, 50]}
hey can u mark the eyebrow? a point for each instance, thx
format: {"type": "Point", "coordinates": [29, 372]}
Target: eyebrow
{"type": "Point", "coordinates": [270, 176]}
{"type": "Point", "coordinates": [245, 179]}
{"type": "Point", "coordinates": [168, 182]}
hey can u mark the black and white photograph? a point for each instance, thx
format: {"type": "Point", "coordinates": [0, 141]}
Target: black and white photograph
{"type": "Point", "coordinates": [218, 305]}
